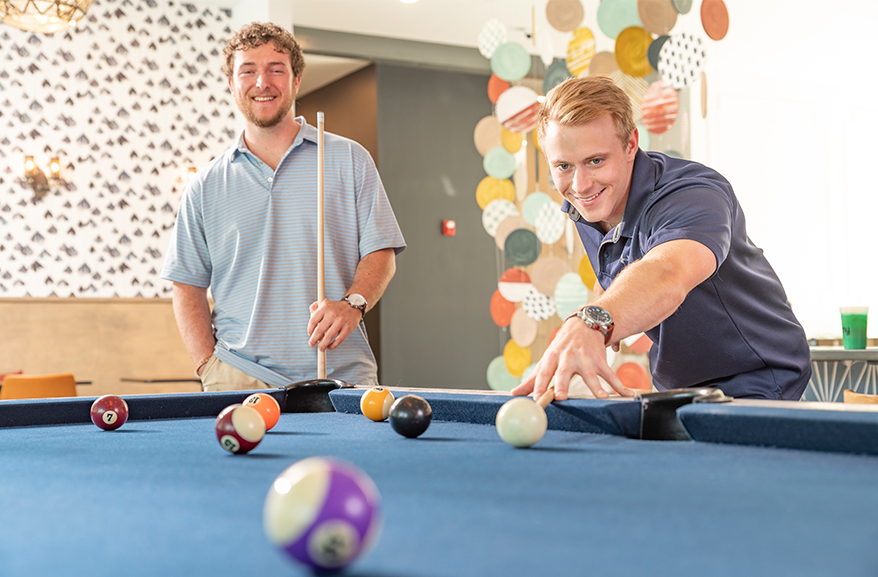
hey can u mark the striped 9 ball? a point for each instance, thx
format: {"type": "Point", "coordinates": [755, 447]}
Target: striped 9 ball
{"type": "Point", "coordinates": [375, 403]}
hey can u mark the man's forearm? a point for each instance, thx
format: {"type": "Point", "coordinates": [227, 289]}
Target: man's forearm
{"type": "Point", "coordinates": [192, 311]}
{"type": "Point", "coordinates": [373, 274]}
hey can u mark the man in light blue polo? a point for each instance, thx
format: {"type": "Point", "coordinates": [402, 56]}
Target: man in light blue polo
{"type": "Point", "coordinates": [668, 242]}
{"type": "Point", "coordinates": [247, 230]}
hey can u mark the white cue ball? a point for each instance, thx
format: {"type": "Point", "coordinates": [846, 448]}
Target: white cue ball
{"type": "Point", "coordinates": [521, 422]}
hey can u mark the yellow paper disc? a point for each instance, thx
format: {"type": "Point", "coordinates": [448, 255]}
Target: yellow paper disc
{"type": "Point", "coordinates": [586, 273]}
{"type": "Point", "coordinates": [580, 51]}
{"type": "Point", "coordinates": [516, 358]}
{"type": "Point", "coordinates": [491, 188]}
{"type": "Point", "coordinates": [511, 140]}
{"type": "Point", "coordinates": [632, 46]}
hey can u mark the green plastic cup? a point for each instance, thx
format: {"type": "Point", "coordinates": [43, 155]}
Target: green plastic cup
{"type": "Point", "coordinates": [853, 327]}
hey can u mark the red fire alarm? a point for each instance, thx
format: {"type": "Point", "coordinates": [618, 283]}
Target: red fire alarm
{"type": "Point", "coordinates": [449, 227]}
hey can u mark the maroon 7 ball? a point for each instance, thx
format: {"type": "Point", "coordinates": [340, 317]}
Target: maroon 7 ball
{"type": "Point", "coordinates": [109, 412]}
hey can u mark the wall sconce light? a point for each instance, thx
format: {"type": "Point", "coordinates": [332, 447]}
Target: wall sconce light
{"type": "Point", "coordinates": [37, 180]}
{"type": "Point", "coordinates": [43, 16]}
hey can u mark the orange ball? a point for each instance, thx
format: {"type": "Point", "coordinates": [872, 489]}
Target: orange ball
{"type": "Point", "coordinates": [267, 407]}
{"type": "Point", "coordinates": [375, 403]}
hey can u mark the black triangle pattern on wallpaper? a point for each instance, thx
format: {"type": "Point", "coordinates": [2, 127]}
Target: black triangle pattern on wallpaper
{"type": "Point", "coordinates": [128, 100]}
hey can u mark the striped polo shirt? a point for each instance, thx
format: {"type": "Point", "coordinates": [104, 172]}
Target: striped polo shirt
{"type": "Point", "coordinates": [249, 233]}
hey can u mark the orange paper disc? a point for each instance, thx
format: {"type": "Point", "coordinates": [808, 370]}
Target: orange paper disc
{"type": "Point", "coordinates": [715, 18]}
{"type": "Point", "coordinates": [660, 107]}
{"type": "Point", "coordinates": [634, 376]}
{"type": "Point", "coordinates": [501, 309]}
{"type": "Point", "coordinates": [496, 87]}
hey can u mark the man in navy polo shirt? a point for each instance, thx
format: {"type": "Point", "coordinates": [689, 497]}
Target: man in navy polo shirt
{"type": "Point", "coordinates": [668, 242]}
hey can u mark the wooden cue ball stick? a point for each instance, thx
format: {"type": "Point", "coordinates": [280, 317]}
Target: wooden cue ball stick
{"type": "Point", "coordinates": [321, 289]}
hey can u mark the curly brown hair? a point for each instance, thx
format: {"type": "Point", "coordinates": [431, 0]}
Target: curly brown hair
{"type": "Point", "coordinates": [256, 34]}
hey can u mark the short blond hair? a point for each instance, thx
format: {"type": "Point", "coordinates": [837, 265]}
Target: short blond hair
{"type": "Point", "coordinates": [579, 100]}
{"type": "Point", "coordinates": [256, 34]}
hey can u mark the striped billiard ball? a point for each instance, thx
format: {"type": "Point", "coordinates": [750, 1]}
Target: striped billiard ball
{"type": "Point", "coordinates": [239, 428]}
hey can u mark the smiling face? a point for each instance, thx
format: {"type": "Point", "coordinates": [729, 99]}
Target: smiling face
{"type": "Point", "coordinates": [591, 167]}
{"type": "Point", "coordinates": [264, 85]}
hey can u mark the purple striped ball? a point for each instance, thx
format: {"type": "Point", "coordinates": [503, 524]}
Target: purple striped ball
{"type": "Point", "coordinates": [324, 513]}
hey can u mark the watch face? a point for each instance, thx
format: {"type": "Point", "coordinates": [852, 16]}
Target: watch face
{"type": "Point", "coordinates": [598, 315]}
{"type": "Point", "coordinates": [356, 300]}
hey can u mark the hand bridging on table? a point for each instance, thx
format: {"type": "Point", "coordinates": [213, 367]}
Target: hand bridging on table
{"type": "Point", "coordinates": [331, 322]}
{"type": "Point", "coordinates": [576, 350]}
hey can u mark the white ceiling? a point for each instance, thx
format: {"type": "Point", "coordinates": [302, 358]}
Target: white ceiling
{"type": "Point", "coordinates": [451, 22]}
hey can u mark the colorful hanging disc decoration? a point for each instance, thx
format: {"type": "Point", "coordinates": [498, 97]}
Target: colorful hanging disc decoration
{"type": "Point", "coordinates": [517, 358]}
{"type": "Point", "coordinates": [522, 247]}
{"type": "Point", "coordinates": [570, 295]}
{"type": "Point", "coordinates": [652, 53]}
{"type": "Point", "coordinates": [681, 60]}
{"type": "Point", "coordinates": [661, 103]}
{"type": "Point", "coordinates": [715, 18]}
{"type": "Point", "coordinates": [506, 227]}
{"type": "Point", "coordinates": [580, 51]}
{"type": "Point", "coordinates": [495, 213]}
{"type": "Point", "coordinates": [496, 87]}
{"type": "Point", "coordinates": [682, 6]}
{"type": "Point", "coordinates": [633, 87]}
{"type": "Point", "coordinates": [510, 61]}
{"type": "Point", "coordinates": [499, 163]}
{"type": "Point", "coordinates": [657, 16]}
{"type": "Point", "coordinates": [493, 34]}
{"type": "Point", "coordinates": [564, 15]}
{"type": "Point", "coordinates": [617, 15]}
{"type": "Point", "coordinates": [512, 141]}
{"type": "Point", "coordinates": [703, 95]}
{"type": "Point", "coordinates": [513, 284]}
{"type": "Point", "coordinates": [550, 223]}
{"type": "Point", "coordinates": [517, 108]}
{"type": "Point", "coordinates": [501, 309]}
{"type": "Point", "coordinates": [546, 273]}
{"type": "Point", "coordinates": [586, 272]}
{"type": "Point", "coordinates": [491, 189]}
{"type": "Point", "coordinates": [555, 75]}
{"type": "Point", "coordinates": [632, 45]}
{"type": "Point", "coordinates": [523, 329]}
{"type": "Point", "coordinates": [537, 305]}
{"type": "Point", "coordinates": [498, 376]}
{"type": "Point", "coordinates": [487, 134]}
{"type": "Point", "coordinates": [634, 376]}
{"type": "Point", "coordinates": [532, 204]}
{"type": "Point", "coordinates": [603, 64]}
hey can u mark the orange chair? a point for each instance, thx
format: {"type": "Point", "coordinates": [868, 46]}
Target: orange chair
{"type": "Point", "coordinates": [38, 386]}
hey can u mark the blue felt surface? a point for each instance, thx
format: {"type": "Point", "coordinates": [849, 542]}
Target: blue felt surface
{"type": "Point", "coordinates": [162, 498]}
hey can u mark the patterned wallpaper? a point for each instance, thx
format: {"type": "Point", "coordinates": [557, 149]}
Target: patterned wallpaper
{"type": "Point", "coordinates": [129, 99]}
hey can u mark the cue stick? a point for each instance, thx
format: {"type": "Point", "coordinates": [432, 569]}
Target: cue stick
{"type": "Point", "coordinates": [321, 289]}
{"type": "Point", "coordinates": [546, 397]}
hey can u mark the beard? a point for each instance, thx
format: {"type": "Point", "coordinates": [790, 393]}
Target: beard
{"type": "Point", "coordinates": [264, 121]}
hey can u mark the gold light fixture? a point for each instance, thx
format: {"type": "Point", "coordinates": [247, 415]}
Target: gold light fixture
{"type": "Point", "coordinates": [45, 16]}
{"type": "Point", "coordinates": [37, 180]}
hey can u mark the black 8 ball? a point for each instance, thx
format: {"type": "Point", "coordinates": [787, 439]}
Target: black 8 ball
{"type": "Point", "coordinates": [410, 415]}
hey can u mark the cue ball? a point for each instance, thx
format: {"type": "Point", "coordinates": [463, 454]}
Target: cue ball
{"type": "Point", "coordinates": [267, 406]}
{"type": "Point", "coordinates": [239, 428]}
{"type": "Point", "coordinates": [375, 403]}
{"type": "Point", "coordinates": [521, 422]}
{"type": "Point", "coordinates": [410, 415]}
{"type": "Point", "coordinates": [109, 412]}
{"type": "Point", "coordinates": [324, 513]}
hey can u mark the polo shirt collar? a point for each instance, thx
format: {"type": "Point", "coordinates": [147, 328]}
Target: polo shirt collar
{"type": "Point", "coordinates": [306, 132]}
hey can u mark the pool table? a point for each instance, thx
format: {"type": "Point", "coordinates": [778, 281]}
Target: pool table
{"type": "Point", "coordinates": [161, 497]}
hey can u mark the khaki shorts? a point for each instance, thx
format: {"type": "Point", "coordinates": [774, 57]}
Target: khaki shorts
{"type": "Point", "coordinates": [220, 376]}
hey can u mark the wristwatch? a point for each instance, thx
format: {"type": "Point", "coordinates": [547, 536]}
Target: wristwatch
{"type": "Point", "coordinates": [356, 301]}
{"type": "Point", "coordinates": [598, 319]}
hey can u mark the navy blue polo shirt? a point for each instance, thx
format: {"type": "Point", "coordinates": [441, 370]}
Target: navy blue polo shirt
{"type": "Point", "coordinates": [736, 330]}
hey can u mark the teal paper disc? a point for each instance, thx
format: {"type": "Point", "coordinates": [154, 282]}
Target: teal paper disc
{"type": "Point", "coordinates": [510, 61]}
